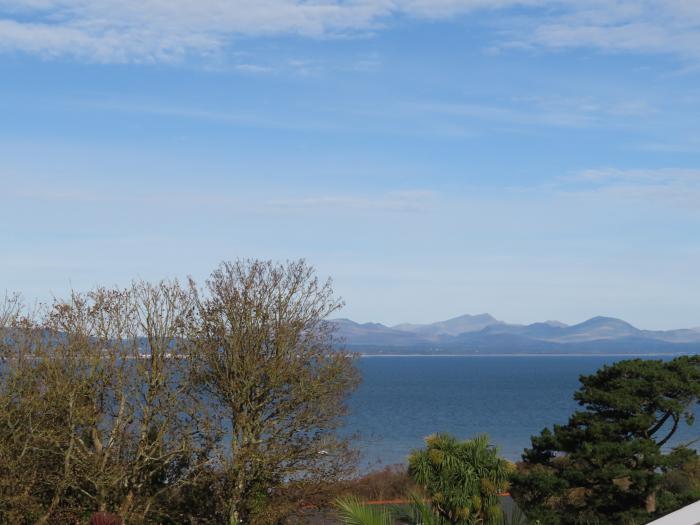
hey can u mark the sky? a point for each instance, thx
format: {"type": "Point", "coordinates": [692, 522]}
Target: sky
{"type": "Point", "coordinates": [534, 159]}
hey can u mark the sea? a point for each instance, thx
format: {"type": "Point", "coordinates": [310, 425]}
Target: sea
{"type": "Point", "coordinates": [403, 399]}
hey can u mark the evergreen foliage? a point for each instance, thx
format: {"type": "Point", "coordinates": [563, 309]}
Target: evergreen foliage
{"type": "Point", "coordinates": [607, 465]}
{"type": "Point", "coordinates": [352, 512]}
{"type": "Point", "coordinates": [462, 478]}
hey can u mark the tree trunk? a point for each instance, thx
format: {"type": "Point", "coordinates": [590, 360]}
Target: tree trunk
{"type": "Point", "coordinates": [125, 508]}
{"type": "Point", "coordinates": [233, 515]}
{"type": "Point", "coordinates": [651, 502]}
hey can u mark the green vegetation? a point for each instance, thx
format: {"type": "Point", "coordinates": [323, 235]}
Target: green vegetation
{"type": "Point", "coordinates": [461, 478]}
{"type": "Point", "coordinates": [459, 483]}
{"type": "Point", "coordinates": [607, 465]}
{"type": "Point", "coordinates": [169, 404]}
{"type": "Point", "coordinates": [352, 512]}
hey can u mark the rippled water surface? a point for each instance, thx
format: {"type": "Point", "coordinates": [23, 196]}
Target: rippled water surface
{"type": "Point", "coordinates": [403, 399]}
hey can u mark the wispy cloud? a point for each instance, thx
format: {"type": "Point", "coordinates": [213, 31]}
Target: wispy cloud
{"type": "Point", "coordinates": [232, 117]}
{"type": "Point", "coordinates": [253, 68]}
{"type": "Point", "coordinates": [683, 145]}
{"type": "Point", "coordinates": [45, 191]}
{"type": "Point", "coordinates": [644, 26]}
{"type": "Point", "coordinates": [158, 31]}
{"type": "Point", "coordinates": [675, 187]}
{"type": "Point", "coordinates": [546, 111]}
{"type": "Point", "coordinates": [397, 201]}
{"type": "Point", "coordinates": [640, 176]}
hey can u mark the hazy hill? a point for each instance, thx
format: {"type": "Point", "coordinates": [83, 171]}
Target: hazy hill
{"type": "Point", "coordinates": [454, 326]}
{"type": "Point", "coordinates": [484, 334]}
{"type": "Point", "coordinates": [371, 334]}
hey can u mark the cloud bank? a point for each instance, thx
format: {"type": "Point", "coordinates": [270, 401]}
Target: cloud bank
{"type": "Point", "coordinates": [138, 31]}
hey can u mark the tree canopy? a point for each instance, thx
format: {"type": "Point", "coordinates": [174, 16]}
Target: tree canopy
{"type": "Point", "coordinates": [162, 403]}
{"type": "Point", "coordinates": [462, 478]}
{"type": "Point", "coordinates": [264, 357]}
{"type": "Point", "coordinates": [606, 464]}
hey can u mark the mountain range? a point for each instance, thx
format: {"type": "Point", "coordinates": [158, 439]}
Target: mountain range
{"type": "Point", "coordinates": [484, 334]}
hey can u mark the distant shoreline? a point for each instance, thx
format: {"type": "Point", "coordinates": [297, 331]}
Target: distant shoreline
{"type": "Point", "coordinates": [657, 354]}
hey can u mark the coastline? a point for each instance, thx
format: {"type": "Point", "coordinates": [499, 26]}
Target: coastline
{"type": "Point", "coordinates": [631, 355]}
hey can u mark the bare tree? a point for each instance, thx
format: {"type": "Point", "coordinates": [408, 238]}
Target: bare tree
{"type": "Point", "coordinates": [264, 356]}
{"type": "Point", "coordinates": [10, 308]}
{"type": "Point", "coordinates": [116, 401]}
{"type": "Point", "coordinates": [96, 409]}
{"type": "Point", "coordinates": [28, 416]}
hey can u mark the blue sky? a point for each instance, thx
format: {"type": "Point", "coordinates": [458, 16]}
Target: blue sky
{"type": "Point", "coordinates": [533, 159]}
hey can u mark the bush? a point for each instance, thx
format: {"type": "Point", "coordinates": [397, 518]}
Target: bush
{"type": "Point", "coordinates": [390, 483]}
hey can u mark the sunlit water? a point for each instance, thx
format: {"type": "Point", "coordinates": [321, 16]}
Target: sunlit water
{"type": "Point", "coordinates": [403, 399]}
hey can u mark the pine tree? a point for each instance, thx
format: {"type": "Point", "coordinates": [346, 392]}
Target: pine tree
{"type": "Point", "coordinates": [605, 465]}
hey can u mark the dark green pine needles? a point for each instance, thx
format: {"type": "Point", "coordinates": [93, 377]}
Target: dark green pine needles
{"type": "Point", "coordinates": [607, 463]}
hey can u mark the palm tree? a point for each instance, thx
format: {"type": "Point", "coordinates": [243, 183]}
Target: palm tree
{"type": "Point", "coordinates": [420, 513]}
{"type": "Point", "coordinates": [462, 478]}
{"type": "Point", "coordinates": [352, 512]}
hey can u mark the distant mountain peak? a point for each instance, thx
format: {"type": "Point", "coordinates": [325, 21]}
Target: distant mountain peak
{"type": "Point", "coordinates": [374, 325]}
{"type": "Point", "coordinates": [481, 317]}
{"type": "Point", "coordinates": [557, 324]}
{"type": "Point", "coordinates": [606, 318]}
{"type": "Point", "coordinates": [601, 319]}
{"type": "Point", "coordinates": [600, 327]}
{"type": "Point", "coordinates": [454, 326]}
{"type": "Point", "coordinates": [483, 333]}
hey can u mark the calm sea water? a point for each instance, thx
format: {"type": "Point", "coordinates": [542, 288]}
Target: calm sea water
{"type": "Point", "coordinates": [403, 399]}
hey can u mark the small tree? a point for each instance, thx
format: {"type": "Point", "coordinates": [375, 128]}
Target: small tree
{"type": "Point", "coordinates": [606, 463]}
{"type": "Point", "coordinates": [264, 356]}
{"type": "Point", "coordinates": [95, 414]}
{"type": "Point", "coordinates": [462, 478]}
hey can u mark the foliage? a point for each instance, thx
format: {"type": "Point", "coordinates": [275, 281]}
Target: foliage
{"type": "Point", "coordinates": [264, 358]}
{"type": "Point", "coordinates": [462, 478]}
{"type": "Point", "coordinates": [680, 481]}
{"type": "Point", "coordinates": [418, 512]}
{"type": "Point", "coordinates": [606, 464]}
{"type": "Point", "coordinates": [352, 512]}
{"type": "Point", "coordinates": [93, 414]}
{"type": "Point", "coordinates": [118, 400]}
{"type": "Point", "coordinates": [389, 483]}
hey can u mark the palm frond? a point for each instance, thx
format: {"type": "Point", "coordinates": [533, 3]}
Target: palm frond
{"type": "Point", "coordinates": [352, 512]}
{"type": "Point", "coordinates": [419, 513]}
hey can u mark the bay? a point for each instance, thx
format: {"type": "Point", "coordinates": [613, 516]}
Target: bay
{"type": "Point", "coordinates": [403, 399]}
